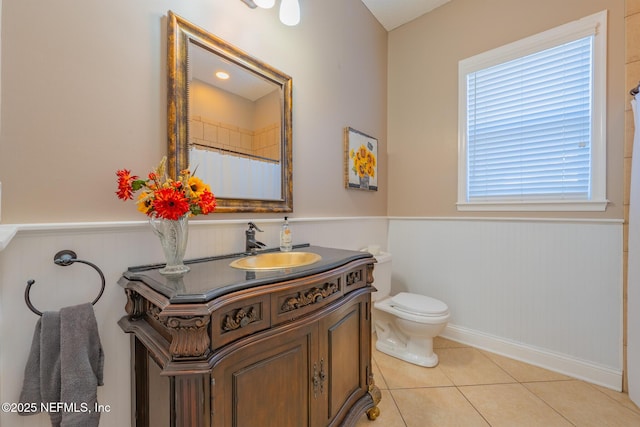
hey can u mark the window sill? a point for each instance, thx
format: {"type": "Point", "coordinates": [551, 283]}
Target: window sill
{"type": "Point", "coordinates": [542, 206]}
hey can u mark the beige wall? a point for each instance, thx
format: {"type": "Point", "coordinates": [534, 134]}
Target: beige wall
{"type": "Point", "coordinates": [423, 91]}
{"type": "Point", "coordinates": [84, 94]}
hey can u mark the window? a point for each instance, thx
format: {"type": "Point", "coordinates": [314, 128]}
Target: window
{"type": "Point", "coordinates": [532, 122]}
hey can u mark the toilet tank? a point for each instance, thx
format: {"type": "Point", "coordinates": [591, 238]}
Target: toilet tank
{"type": "Point", "coordinates": [382, 276]}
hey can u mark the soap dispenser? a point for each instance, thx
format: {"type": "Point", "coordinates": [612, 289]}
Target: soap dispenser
{"type": "Point", "coordinates": [285, 236]}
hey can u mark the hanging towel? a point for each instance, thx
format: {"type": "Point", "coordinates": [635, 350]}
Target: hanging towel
{"type": "Point", "coordinates": [65, 367]}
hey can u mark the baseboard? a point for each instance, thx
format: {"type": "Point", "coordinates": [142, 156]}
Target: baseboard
{"type": "Point", "coordinates": [566, 365]}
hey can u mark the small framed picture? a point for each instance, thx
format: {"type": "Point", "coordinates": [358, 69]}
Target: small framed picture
{"type": "Point", "coordinates": [361, 160]}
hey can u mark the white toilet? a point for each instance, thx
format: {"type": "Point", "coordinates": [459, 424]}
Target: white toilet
{"type": "Point", "coordinates": [405, 324]}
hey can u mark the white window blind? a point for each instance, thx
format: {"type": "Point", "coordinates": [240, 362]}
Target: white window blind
{"type": "Point", "coordinates": [529, 125]}
{"type": "Point", "coordinates": [532, 122]}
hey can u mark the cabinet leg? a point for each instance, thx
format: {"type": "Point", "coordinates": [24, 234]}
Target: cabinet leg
{"type": "Point", "coordinates": [376, 396]}
{"type": "Point", "coordinates": [191, 400]}
{"type": "Point", "coordinates": [373, 413]}
{"type": "Point", "coordinates": [140, 383]}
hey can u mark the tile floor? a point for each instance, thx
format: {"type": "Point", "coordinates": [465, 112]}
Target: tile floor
{"type": "Point", "coordinates": [472, 387]}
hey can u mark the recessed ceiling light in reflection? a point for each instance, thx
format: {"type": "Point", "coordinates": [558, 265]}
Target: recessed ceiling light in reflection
{"type": "Point", "coordinates": [222, 75]}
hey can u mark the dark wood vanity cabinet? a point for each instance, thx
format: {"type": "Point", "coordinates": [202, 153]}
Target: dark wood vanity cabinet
{"type": "Point", "coordinates": [292, 353]}
{"type": "Point", "coordinates": [303, 376]}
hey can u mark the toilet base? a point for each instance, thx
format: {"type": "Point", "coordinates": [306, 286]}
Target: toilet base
{"type": "Point", "coordinates": [420, 354]}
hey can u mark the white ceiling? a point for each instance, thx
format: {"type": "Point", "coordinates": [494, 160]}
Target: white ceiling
{"type": "Point", "coordinates": [390, 13]}
{"type": "Point", "coordinates": [393, 13]}
{"type": "Point", "coordinates": [203, 65]}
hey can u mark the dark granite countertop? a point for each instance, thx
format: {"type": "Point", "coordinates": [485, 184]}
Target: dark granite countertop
{"type": "Point", "coordinates": [212, 277]}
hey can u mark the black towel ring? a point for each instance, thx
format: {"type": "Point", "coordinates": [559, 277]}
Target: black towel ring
{"type": "Point", "coordinates": [63, 258]}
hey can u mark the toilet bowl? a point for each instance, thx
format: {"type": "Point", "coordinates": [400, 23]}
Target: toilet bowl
{"type": "Point", "coordinates": [405, 324]}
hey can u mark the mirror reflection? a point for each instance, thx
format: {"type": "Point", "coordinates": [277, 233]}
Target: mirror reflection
{"type": "Point", "coordinates": [234, 128]}
{"type": "Point", "coordinates": [232, 121]}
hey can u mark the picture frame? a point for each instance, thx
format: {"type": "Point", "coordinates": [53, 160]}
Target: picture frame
{"type": "Point", "coordinates": [360, 160]}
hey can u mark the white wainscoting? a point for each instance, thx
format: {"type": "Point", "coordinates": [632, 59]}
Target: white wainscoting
{"type": "Point", "coordinates": [114, 247]}
{"type": "Point", "coordinates": [548, 292]}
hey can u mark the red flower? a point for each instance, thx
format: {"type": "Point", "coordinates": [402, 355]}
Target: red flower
{"type": "Point", "coordinates": [207, 202]}
{"type": "Point", "coordinates": [170, 204]}
{"type": "Point", "coordinates": [125, 180]}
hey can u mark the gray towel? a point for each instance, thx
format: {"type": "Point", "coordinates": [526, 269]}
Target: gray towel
{"type": "Point", "coordinates": [65, 367]}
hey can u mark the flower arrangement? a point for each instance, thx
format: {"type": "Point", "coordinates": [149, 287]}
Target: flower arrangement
{"type": "Point", "coordinates": [364, 161]}
{"type": "Point", "coordinates": [164, 197]}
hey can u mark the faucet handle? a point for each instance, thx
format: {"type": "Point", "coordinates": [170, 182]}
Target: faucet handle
{"type": "Point", "coordinates": [252, 226]}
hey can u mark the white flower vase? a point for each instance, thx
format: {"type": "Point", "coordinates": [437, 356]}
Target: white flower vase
{"type": "Point", "coordinates": [173, 236]}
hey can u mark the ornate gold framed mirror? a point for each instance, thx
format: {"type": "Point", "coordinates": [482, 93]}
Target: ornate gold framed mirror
{"type": "Point", "coordinates": [234, 132]}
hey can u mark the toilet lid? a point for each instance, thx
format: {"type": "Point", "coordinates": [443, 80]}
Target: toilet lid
{"type": "Point", "coordinates": [419, 304]}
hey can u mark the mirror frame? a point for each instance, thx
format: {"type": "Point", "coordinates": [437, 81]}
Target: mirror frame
{"type": "Point", "coordinates": [180, 34]}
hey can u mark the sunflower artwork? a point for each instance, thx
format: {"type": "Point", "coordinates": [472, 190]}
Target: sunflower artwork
{"type": "Point", "coordinates": [361, 160]}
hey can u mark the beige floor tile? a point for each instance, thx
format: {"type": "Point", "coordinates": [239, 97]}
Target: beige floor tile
{"type": "Point", "coordinates": [397, 373]}
{"type": "Point", "coordinates": [377, 376]}
{"type": "Point", "coordinates": [524, 372]}
{"type": "Point", "coordinates": [508, 405]}
{"type": "Point", "coordinates": [584, 405]}
{"type": "Point", "coordinates": [437, 407]}
{"type": "Point", "coordinates": [621, 398]}
{"type": "Point", "coordinates": [491, 390]}
{"type": "Point", "coordinates": [468, 366]}
{"type": "Point", "coordinates": [389, 414]}
{"type": "Point", "coordinates": [440, 342]}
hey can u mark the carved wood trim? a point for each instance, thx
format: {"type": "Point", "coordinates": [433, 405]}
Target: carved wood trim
{"type": "Point", "coordinates": [241, 318]}
{"type": "Point", "coordinates": [190, 336]}
{"type": "Point", "coordinates": [370, 274]}
{"type": "Point", "coordinates": [154, 311]}
{"type": "Point", "coordinates": [311, 296]}
{"type": "Point", "coordinates": [135, 306]}
{"type": "Point", "coordinates": [353, 277]}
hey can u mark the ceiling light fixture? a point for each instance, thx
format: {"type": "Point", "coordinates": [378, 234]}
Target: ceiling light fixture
{"type": "Point", "coordinates": [290, 12]}
{"type": "Point", "coordinates": [222, 75]}
{"type": "Point", "coordinates": [289, 9]}
{"type": "Point", "coordinates": [250, 3]}
{"type": "Point", "coordinates": [265, 4]}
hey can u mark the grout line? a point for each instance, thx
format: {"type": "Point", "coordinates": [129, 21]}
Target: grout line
{"type": "Point", "coordinates": [544, 401]}
{"type": "Point", "coordinates": [471, 385]}
{"type": "Point", "coordinates": [395, 403]}
{"type": "Point", "coordinates": [473, 406]}
{"type": "Point", "coordinates": [595, 387]}
{"type": "Point", "coordinates": [498, 365]}
{"type": "Point", "coordinates": [609, 398]}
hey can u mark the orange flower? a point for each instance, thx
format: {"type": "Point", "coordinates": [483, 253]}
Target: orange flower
{"type": "Point", "coordinates": [125, 180]}
{"type": "Point", "coordinates": [207, 202]}
{"type": "Point", "coordinates": [170, 204]}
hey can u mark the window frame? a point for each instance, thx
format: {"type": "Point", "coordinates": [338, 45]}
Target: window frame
{"type": "Point", "coordinates": [593, 25]}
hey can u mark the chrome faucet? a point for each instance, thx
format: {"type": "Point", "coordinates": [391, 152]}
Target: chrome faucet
{"type": "Point", "coordinates": [252, 245]}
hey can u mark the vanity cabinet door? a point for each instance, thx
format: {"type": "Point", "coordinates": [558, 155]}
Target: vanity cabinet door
{"type": "Point", "coordinates": [344, 355]}
{"type": "Point", "coordinates": [266, 383]}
